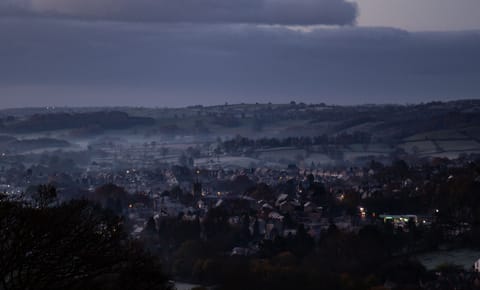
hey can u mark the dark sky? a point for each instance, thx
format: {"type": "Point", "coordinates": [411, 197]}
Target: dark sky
{"type": "Point", "coordinates": [183, 52]}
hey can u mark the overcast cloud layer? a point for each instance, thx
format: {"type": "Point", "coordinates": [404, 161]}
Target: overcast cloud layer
{"type": "Point", "coordinates": [301, 12]}
{"type": "Point", "coordinates": [46, 62]}
{"type": "Point", "coordinates": [420, 15]}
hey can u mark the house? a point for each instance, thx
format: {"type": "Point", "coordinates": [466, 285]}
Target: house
{"type": "Point", "coordinates": [476, 266]}
{"type": "Point", "coordinates": [309, 207]}
{"type": "Point", "coordinates": [399, 221]}
{"type": "Point", "coordinates": [281, 198]}
{"type": "Point", "coordinates": [286, 207]}
{"type": "Point", "coordinates": [240, 251]}
{"type": "Point", "coordinates": [171, 208]}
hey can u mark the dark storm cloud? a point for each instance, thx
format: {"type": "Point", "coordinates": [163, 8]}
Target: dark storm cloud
{"type": "Point", "coordinates": [78, 63]}
{"type": "Point", "coordinates": [300, 12]}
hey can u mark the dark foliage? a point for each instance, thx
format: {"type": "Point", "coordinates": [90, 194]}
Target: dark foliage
{"type": "Point", "coordinates": [76, 245]}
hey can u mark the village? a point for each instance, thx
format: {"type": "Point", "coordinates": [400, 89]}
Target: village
{"type": "Point", "coordinates": [212, 204]}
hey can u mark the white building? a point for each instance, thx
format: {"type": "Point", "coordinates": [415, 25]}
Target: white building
{"type": "Point", "coordinates": [476, 266]}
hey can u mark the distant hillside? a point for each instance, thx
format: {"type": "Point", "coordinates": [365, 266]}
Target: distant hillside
{"type": "Point", "coordinates": [349, 132]}
{"type": "Point", "coordinates": [61, 121]}
{"type": "Point", "coordinates": [11, 144]}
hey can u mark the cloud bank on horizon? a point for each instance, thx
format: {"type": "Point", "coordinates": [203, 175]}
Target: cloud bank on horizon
{"type": "Point", "coordinates": [286, 12]}
{"type": "Point", "coordinates": [80, 64]}
{"type": "Point", "coordinates": [177, 52]}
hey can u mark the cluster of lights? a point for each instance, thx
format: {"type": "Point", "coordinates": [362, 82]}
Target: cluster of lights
{"type": "Point", "coordinates": [363, 212]}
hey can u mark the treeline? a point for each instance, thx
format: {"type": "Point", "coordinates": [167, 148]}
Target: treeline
{"type": "Point", "coordinates": [74, 245]}
{"type": "Point", "coordinates": [60, 121]}
{"type": "Point", "coordinates": [239, 143]}
{"type": "Point", "coordinates": [199, 251]}
{"type": "Point", "coordinates": [440, 184]}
